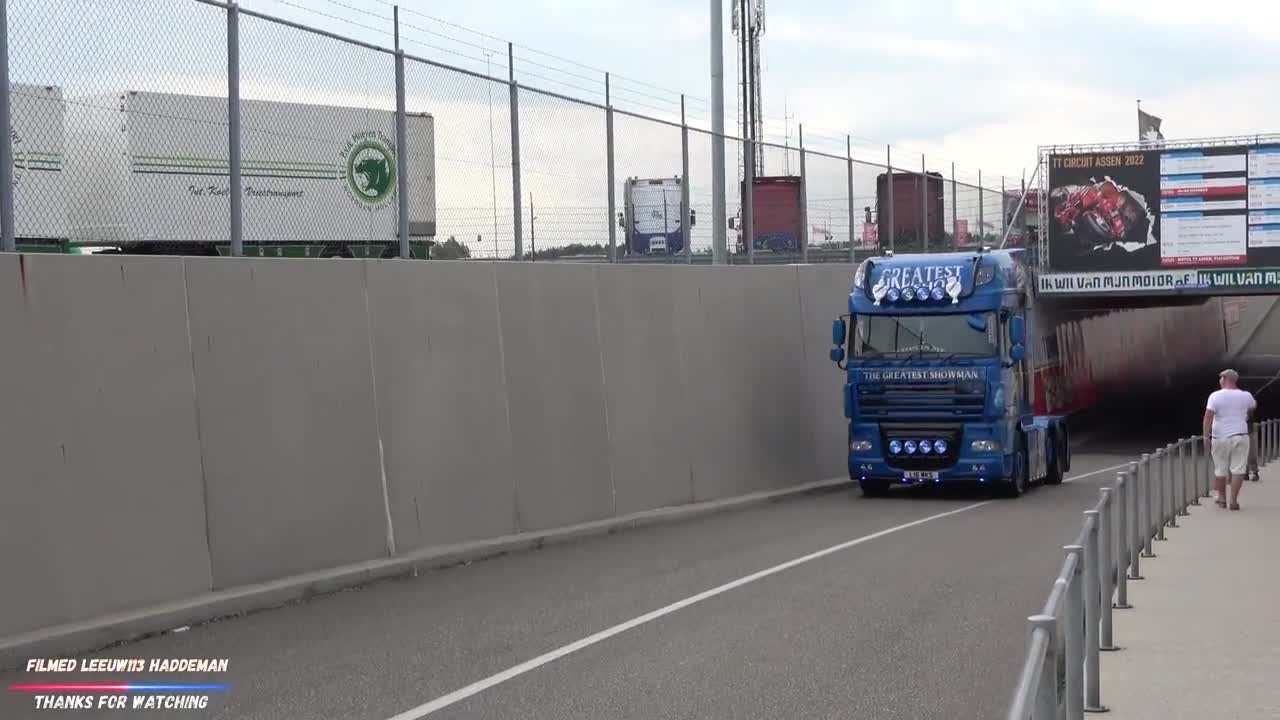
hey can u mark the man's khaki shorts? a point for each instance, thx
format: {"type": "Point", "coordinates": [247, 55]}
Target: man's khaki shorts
{"type": "Point", "coordinates": [1230, 455]}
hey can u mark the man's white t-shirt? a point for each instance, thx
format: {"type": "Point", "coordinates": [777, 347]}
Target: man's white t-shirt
{"type": "Point", "coordinates": [1230, 411]}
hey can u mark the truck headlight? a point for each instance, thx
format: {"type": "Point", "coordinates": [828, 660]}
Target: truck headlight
{"type": "Point", "coordinates": [985, 445]}
{"type": "Point", "coordinates": [860, 445]}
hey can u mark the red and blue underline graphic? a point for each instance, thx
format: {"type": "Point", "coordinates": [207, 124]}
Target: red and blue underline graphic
{"type": "Point", "coordinates": [118, 687]}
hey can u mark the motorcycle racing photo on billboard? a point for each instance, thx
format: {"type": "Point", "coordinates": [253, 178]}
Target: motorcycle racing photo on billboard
{"type": "Point", "coordinates": [1103, 210]}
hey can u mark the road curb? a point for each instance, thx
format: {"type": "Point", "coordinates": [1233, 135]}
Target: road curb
{"type": "Point", "coordinates": [110, 630]}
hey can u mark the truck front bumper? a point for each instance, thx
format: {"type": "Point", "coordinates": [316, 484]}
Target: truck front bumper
{"type": "Point", "coordinates": [975, 469]}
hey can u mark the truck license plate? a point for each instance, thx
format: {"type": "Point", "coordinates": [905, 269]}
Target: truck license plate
{"type": "Point", "coordinates": [920, 474]}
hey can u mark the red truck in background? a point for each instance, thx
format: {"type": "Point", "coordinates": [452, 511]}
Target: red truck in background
{"type": "Point", "coordinates": [907, 202]}
{"type": "Point", "coordinates": [776, 214]}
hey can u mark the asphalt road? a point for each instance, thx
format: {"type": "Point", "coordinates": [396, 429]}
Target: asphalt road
{"type": "Point", "coordinates": [915, 622]}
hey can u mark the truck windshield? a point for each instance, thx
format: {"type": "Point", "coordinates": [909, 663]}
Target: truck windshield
{"type": "Point", "coordinates": [907, 335]}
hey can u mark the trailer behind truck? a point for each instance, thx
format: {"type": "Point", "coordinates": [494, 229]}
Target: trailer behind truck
{"type": "Point", "coordinates": [316, 180]}
{"type": "Point", "coordinates": [39, 183]}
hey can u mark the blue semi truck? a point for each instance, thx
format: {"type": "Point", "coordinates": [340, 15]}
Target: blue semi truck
{"type": "Point", "coordinates": [939, 380]}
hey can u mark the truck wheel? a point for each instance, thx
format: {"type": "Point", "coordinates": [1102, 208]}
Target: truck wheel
{"type": "Point", "coordinates": [874, 488]}
{"type": "Point", "coordinates": [1015, 486]}
{"type": "Point", "coordinates": [1054, 475]}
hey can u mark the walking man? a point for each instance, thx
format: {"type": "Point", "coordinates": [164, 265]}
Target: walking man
{"type": "Point", "coordinates": [1226, 432]}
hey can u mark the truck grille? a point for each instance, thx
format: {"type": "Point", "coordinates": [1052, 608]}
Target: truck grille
{"type": "Point", "coordinates": [952, 434]}
{"type": "Point", "coordinates": [934, 401]}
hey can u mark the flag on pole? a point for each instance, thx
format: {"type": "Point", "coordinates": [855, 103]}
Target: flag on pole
{"type": "Point", "coordinates": [1148, 127]}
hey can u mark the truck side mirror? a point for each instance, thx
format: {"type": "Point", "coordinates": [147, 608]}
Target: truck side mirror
{"type": "Point", "coordinates": [837, 355]}
{"type": "Point", "coordinates": [1017, 352]}
{"type": "Point", "coordinates": [1017, 330]}
{"type": "Point", "coordinates": [731, 224]}
{"type": "Point", "coordinates": [838, 332]}
{"type": "Point", "coordinates": [693, 217]}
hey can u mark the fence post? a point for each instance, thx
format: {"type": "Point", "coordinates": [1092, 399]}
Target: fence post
{"type": "Point", "coordinates": [8, 234]}
{"type": "Point", "coordinates": [1092, 607]}
{"type": "Point", "coordinates": [402, 148]}
{"type": "Point", "coordinates": [1171, 493]}
{"type": "Point", "coordinates": [1107, 565]}
{"type": "Point", "coordinates": [982, 228]}
{"type": "Point", "coordinates": [233, 128]}
{"type": "Point", "coordinates": [748, 206]}
{"type": "Point", "coordinates": [1123, 539]}
{"type": "Point", "coordinates": [1046, 699]}
{"type": "Point", "coordinates": [888, 194]}
{"type": "Point", "coordinates": [1147, 506]}
{"type": "Point", "coordinates": [1135, 522]}
{"type": "Point", "coordinates": [686, 231]}
{"type": "Point", "coordinates": [517, 210]}
{"type": "Point", "coordinates": [1073, 626]}
{"type": "Point", "coordinates": [924, 205]}
{"type": "Point", "coordinates": [609, 170]}
{"type": "Point", "coordinates": [804, 203]}
{"type": "Point", "coordinates": [1004, 214]}
{"type": "Point", "coordinates": [955, 213]}
{"type": "Point", "coordinates": [848, 152]}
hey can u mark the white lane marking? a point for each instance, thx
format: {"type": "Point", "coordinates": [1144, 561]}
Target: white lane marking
{"type": "Point", "coordinates": [1091, 473]}
{"type": "Point", "coordinates": [480, 686]}
{"type": "Point", "coordinates": [458, 695]}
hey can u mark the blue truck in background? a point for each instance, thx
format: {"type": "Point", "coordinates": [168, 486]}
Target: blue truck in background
{"type": "Point", "coordinates": [652, 216]}
{"type": "Point", "coordinates": [939, 379]}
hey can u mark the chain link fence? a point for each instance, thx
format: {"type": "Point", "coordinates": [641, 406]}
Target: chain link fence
{"type": "Point", "coordinates": [133, 120]}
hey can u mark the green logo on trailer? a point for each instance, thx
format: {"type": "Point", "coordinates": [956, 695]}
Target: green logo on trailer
{"type": "Point", "coordinates": [370, 164]}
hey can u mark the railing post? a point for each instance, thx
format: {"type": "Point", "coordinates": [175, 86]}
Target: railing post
{"type": "Point", "coordinates": [1271, 440]}
{"type": "Point", "coordinates": [1124, 538]}
{"type": "Point", "coordinates": [1073, 624]}
{"type": "Point", "coordinates": [1145, 506]}
{"type": "Point", "coordinates": [1135, 522]}
{"type": "Point", "coordinates": [1092, 609]}
{"type": "Point", "coordinates": [1046, 699]}
{"type": "Point", "coordinates": [1107, 566]}
{"type": "Point", "coordinates": [1204, 483]}
{"type": "Point", "coordinates": [1186, 500]}
{"type": "Point", "coordinates": [1159, 481]}
{"type": "Point", "coordinates": [1171, 504]}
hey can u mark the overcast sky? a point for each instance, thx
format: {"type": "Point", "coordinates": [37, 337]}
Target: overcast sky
{"type": "Point", "coordinates": [980, 83]}
{"type": "Point", "coordinates": [977, 82]}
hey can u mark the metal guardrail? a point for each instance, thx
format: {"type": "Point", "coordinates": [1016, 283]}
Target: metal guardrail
{"type": "Point", "coordinates": [1060, 674]}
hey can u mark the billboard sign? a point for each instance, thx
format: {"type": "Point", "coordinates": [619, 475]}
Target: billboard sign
{"type": "Point", "coordinates": [1168, 220]}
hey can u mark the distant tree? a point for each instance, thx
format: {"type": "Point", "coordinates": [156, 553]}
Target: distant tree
{"type": "Point", "coordinates": [450, 249]}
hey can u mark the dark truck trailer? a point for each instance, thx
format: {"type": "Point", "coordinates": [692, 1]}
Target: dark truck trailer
{"type": "Point", "coordinates": [777, 220]}
{"type": "Point", "coordinates": [907, 202]}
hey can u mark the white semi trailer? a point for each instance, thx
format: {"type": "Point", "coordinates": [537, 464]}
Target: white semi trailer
{"type": "Point", "coordinates": [149, 173]}
{"type": "Point", "coordinates": [39, 190]}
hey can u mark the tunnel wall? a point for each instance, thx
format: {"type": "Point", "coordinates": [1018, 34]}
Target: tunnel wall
{"type": "Point", "coordinates": [177, 426]}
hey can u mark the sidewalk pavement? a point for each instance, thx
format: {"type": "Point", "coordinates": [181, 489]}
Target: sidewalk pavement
{"type": "Point", "coordinates": [1202, 640]}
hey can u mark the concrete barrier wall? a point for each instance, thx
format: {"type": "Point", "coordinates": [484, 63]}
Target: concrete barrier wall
{"type": "Point", "coordinates": [103, 505]}
{"type": "Point", "coordinates": [173, 427]}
